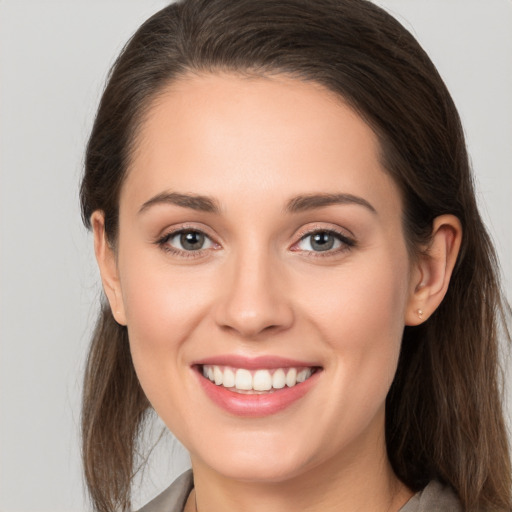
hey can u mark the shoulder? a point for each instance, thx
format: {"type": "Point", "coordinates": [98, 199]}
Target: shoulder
{"type": "Point", "coordinates": [173, 499]}
{"type": "Point", "coordinates": [435, 496]}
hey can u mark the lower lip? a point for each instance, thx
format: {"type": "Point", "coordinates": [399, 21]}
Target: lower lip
{"type": "Point", "coordinates": [257, 405]}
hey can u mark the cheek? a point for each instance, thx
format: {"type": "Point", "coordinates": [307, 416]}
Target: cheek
{"type": "Point", "coordinates": [162, 308]}
{"type": "Point", "coordinates": [161, 302]}
{"type": "Point", "coordinates": [162, 312]}
{"type": "Point", "coordinates": [364, 337]}
{"type": "Point", "coordinates": [360, 298]}
{"type": "Point", "coordinates": [360, 314]}
{"type": "Point", "coordinates": [151, 311]}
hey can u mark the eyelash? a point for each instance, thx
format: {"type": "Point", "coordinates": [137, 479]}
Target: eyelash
{"type": "Point", "coordinates": [347, 243]}
{"type": "Point", "coordinates": [163, 243]}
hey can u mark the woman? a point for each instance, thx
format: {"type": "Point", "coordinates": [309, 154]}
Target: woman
{"type": "Point", "coordinates": [298, 279]}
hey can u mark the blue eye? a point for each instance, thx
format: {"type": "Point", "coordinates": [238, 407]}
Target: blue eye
{"type": "Point", "coordinates": [187, 241]}
{"type": "Point", "coordinates": [323, 241]}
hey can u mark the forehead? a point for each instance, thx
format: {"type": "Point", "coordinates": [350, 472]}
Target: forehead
{"type": "Point", "coordinates": [277, 136]}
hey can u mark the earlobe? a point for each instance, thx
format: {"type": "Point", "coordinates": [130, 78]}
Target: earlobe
{"type": "Point", "coordinates": [433, 269]}
{"type": "Point", "coordinates": [106, 259]}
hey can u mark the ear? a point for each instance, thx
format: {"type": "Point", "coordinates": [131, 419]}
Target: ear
{"type": "Point", "coordinates": [106, 258]}
{"type": "Point", "coordinates": [432, 272]}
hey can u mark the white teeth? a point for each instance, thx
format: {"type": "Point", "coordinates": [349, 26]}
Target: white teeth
{"type": "Point", "coordinates": [279, 379]}
{"type": "Point", "coordinates": [291, 377]}
{"type": "Point", "coordinates": [243, 380]}
{"type": "Point", "coordinates": [217, 375]}
{"type": "Point", "coordinates": [257, 380]}
{"type": "Point", "coordinates": [303, 374]}
{"type": "Point", "coordinates": [229, 378]}
{"type": "Point", "coordinates": [262, 381]}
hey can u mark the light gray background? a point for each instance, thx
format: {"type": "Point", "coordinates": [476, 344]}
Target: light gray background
{"type": "Point", "coordinates": [54, 56]}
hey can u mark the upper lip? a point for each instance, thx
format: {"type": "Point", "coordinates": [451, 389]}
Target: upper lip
{"type": "Point", "coordinates": [253, 363]}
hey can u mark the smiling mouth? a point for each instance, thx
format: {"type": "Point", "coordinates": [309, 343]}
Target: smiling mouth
{"type": "Point", "coordinates": [260, 381]}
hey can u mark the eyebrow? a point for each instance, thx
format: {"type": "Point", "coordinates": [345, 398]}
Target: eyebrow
{"type": "Point", "coordinates": [195, 202]}
{"type": "Point", "coordinates": [295, 205]}
{"type": "Point", "coordinates": [312, 201]}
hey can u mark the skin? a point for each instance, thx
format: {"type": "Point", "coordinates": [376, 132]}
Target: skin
{"type": "Point", "coordinates": [258, 288]}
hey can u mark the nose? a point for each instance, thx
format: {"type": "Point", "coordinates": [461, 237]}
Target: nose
{"type": "Point", "coordinates": [253, 299]}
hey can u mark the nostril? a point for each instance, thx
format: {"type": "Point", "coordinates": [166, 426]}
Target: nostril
{"type": "Point", "coordinates": [250, 317]}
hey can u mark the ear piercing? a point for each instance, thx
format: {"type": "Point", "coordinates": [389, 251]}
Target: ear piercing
{"type": "Point", "coordinates": [420, 314]}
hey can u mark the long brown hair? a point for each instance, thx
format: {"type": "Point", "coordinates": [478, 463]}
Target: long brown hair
{"type": "Point", "coordinates": [444, 416]}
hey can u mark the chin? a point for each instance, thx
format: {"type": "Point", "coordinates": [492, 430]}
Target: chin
{"type": "Point", "coordinates": [270, 472]}
{"type": "Point", "coordinates": [256, 466]}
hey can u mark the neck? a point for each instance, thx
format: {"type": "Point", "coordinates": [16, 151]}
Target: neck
{"type": "Point", "coordinates": [363, 481]}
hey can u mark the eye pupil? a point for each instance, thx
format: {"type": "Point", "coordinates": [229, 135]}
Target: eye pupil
{"type": "Point", "coordinates": [192, 240]}
{"type": "Point", "coordinates": [322, 241]}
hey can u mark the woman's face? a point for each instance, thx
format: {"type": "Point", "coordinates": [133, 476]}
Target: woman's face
{"type": "Point", "coordinates": [260, 238]}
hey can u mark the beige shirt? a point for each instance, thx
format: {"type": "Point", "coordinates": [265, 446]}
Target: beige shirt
{"type": "Point", "coordinates": [435, 497]}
